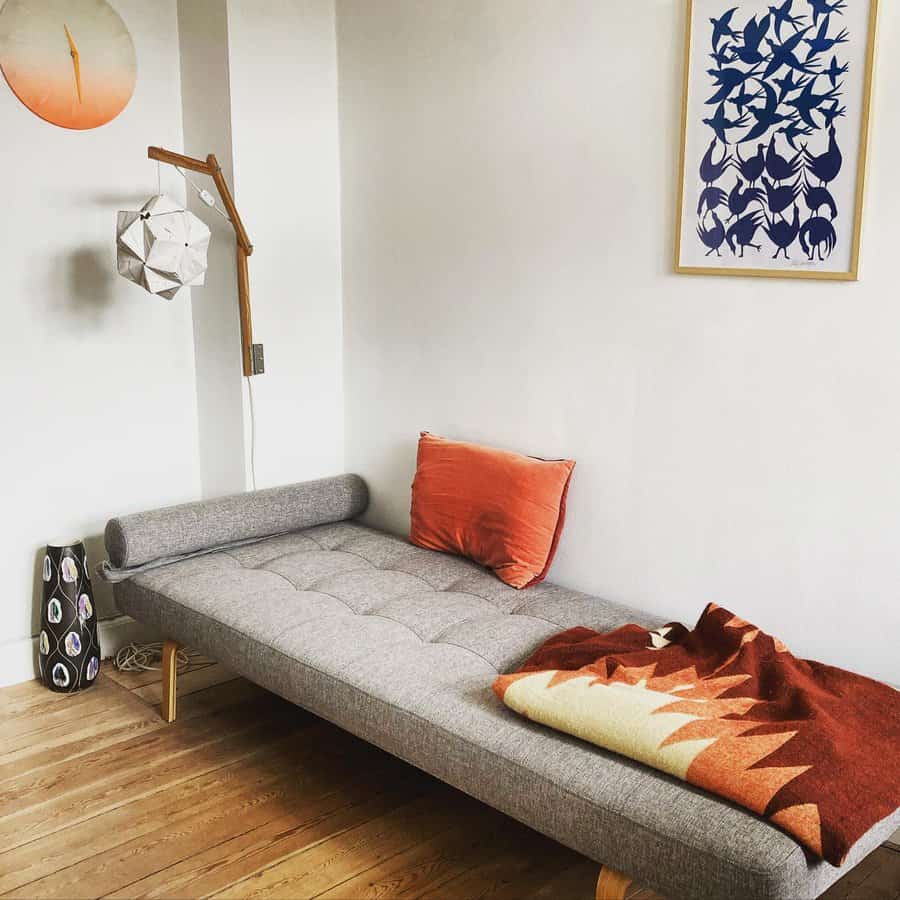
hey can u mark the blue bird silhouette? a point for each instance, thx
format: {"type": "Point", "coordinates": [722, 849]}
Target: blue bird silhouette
{"type": "Point", "coordinates": [766, 116]}
{"type": "Point", "coordinates": [722, 27]}
{"type": "Point", "coordinates": [831, 113]}
{"type": "Point", "coordinates": [782, 16]}
{"type": "Point", "coordinates": [721, 125]}
{"type": "Point", "coordinates": [712, 171]}
{"type": "Point", "coordinates": [728, 80]}
{"type": "Point", "coordinates": [783, 55]}
{"type": "Point", "coordinates": [817, 197]}
{"type": "Point", "coordinates": [834, 71]}
{"type": "Point", "coordinates": [821, 43]}
{"type": "Point", "coordinates": [780, 168]}
{"type": "Point", "coordinates": [712, 237]}
{"type": "Point", "coordinates": [806, 101]}
{"type": "Point", "coordinates": [817, 237]}
{"type": "Point", "coordinates": [827, 166]}
{"type": "Point", "coordinates": [754, 32]}
{"type": "Point", "coordinates": [780, 198]}
{"type": "Point", "coordinates": [723, 55]}
{"type": "Point", "coordinates": [824, 8]}
{"type": "Point", "coordinates": [792, 131]}
{"type": "Point", "coordinates": [744, 98]}
{"type": "Point", "coordinates": [787, 84]}
{"type": "Point", "coordinates": [711, 197]}
{"type": "Point", "coordinates": [752, 167]}
{"type": "Point", "coordinates": [783, 233]}
{"type": "Point", "coordinates": [741, 234]}
{"type": "Point", "coordinates": [739, 200]}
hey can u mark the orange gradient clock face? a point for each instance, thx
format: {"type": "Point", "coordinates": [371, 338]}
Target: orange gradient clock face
{"type": "Point", "coordinates": [71, 62]}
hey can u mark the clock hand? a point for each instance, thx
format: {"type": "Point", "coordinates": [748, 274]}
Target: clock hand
{"type": "Point", "coordinates": [76, 60]}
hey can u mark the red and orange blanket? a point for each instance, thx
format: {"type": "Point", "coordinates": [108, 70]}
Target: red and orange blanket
{"type": "Point", "coordinates": [727, 707]}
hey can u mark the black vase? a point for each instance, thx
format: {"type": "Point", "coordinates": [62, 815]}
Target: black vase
{"type": "Point", "coordinates": [69, 647]}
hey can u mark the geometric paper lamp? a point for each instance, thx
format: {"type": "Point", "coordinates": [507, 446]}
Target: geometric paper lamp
{"type": "Point", "coordinates": [162, 247]}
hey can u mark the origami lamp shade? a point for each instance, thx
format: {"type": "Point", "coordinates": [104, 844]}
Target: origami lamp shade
{"type": "Point", "coordinates": [162, 246]}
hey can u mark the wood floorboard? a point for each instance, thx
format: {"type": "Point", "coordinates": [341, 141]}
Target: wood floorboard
{"type": "Point", "coordinates": [247, 796]}
{"type": "Point", "coordinates": [195, 680]}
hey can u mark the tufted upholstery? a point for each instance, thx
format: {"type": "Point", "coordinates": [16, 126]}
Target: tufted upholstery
{"type": "Point", "coordinates": [400, 645]}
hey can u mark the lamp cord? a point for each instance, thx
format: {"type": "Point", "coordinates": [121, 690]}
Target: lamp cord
{"type": "Point", "coordinates": [252, 434]}
{"type": "Point", "coordinates": [200, 192]}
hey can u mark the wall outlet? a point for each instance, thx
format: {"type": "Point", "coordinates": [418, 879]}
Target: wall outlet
{"type": "Point", "coordinates": [257, 359]}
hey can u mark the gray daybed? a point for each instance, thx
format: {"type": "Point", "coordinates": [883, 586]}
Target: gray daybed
{"type": "Point", "coordinates": [400, 646]}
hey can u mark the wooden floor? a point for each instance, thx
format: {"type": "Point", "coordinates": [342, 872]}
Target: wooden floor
{"type": "Point", "coordinates": [248, 796]}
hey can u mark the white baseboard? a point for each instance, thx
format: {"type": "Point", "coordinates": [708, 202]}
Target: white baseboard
{"type": "Point", "coordinates": [19, 659]}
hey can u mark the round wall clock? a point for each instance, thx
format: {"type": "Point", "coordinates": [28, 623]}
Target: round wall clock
{"type": "Point", "coordinates": [71, 62]}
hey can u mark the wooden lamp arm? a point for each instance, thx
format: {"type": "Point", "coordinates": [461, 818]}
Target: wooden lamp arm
{"type": "Point", "coordinates": [210, 166]}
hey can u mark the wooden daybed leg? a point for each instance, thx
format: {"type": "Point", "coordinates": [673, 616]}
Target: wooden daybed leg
{"type": "Point", "coordinates": [611, 885]}
{"type": "Point", "coordinates": [169, 677]}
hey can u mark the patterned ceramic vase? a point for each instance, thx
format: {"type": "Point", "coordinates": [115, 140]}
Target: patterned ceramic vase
{"type": "Point", "coordinates": [69, 645]}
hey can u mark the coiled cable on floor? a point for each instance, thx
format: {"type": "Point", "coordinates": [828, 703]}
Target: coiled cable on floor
{"type": "Point", "coordinates": [148, 657]}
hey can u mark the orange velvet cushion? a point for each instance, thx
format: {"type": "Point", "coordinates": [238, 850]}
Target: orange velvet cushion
{"type": "Point", "coordinates": [501, 509]}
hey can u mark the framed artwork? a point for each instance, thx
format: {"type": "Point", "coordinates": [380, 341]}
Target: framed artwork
{"type": "Point", "coordinates": [775, 125]}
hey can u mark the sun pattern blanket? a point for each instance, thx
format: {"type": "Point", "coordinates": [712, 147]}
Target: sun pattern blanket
{"type": "Point", "coordinates": [727, 707]}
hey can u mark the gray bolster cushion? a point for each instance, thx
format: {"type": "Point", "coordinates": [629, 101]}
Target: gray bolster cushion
{"type": "Point", "coordinates": [176, 531]}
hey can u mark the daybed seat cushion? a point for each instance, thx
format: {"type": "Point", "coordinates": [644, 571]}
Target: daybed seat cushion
{"type": "Point", "coordinates": [400, 646]}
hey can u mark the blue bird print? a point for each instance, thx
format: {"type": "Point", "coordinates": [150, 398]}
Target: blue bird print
{"type": "Point", "coordinates": [722, 125]}
{"type": "Point", "coordinates": [806, 102]}
{"type": "Point", "coordinates": [766, 116]}
{"type": "Point", "coordinates": [712, 171]}
{"type": "Point", "coordinates": [723, 55]}
{"type": "Point", "coordinates": [817, 237]}
{"type": "Point", "coordinates": [792, 131]}
{"type": "Point", "coordinates": [780, 198]}
{"type": "Point", "coordinates": [752, 167]}
{"type": "Point", "coordinates": [728, 80]}
{"type": "Point", "coordinates": [744, 98]}
{"type": "Point", "coordinates": [787, 85]}
{"type": "Point", "coordinates": [821, 43]}
{"type": "Point", "coordinates": [783, 55]}
{"type": "Point", "coordinates": [743, 231]}
{"type": "Point", "coordinates": [834, 71]}
{"type": "Point", "coordinates": [778, 79]}
{"type": "Point", "coordinates": [712, 237]}
{"type": "Point", "coordinates": [824, 8]}
{"type": "Point", "coordinates": [711, 197]}
{"type": "Point", "coordinates": [826, 167]}
{"type": "Point", "coordinates": [739, 200]}
{"type": "Point", "coordinates": [782, 15]}
{"type": "Point", "coordinates": [722, 27]}
{"type": "Point", "coordinates": [782, 233]}
{"type": "Point", "coordinates": [832, 112]}
{"type": "Point", "coordinates": [817, 197]}
{"type": "Point", "coordinates": [754, 32]}
{"type": "Point", "coordinates": [780, 168]}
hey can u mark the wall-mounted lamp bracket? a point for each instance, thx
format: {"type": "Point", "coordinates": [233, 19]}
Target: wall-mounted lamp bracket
{"type": "Point", "coordinates": [252, 359]}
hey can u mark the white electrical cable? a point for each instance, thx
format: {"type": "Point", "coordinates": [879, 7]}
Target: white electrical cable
{"type": "Point", "coordinates": [148, 657]}
{"type": "Point", "coordinates": [203, 194]}
{"type": "Point", "coordinates": [252, 434]}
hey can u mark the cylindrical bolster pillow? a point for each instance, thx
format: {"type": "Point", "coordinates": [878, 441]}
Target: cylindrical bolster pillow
{"type": "Point", "coordinates": [176, 530]}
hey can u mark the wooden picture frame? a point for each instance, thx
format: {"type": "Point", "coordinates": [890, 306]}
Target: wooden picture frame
{"type": "Point", "coordinates": [822, 248]}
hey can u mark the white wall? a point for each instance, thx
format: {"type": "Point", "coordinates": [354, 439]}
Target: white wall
{"type": "Point", "coordinates": [508, 179]}
{"type": "Point", "coordinates": [99, 407]}
{"type": "Point", "coordinates": [259, 85]}
{"type": "Point", "coordinates": [283, 74]}
{"type": "Point", "coordinates": [206, 114]}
